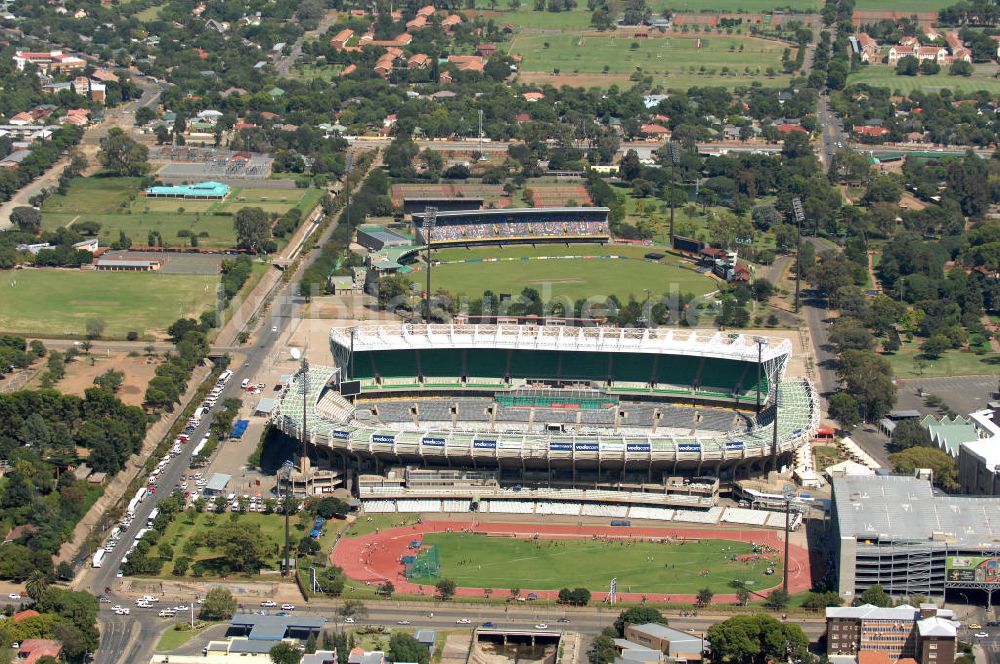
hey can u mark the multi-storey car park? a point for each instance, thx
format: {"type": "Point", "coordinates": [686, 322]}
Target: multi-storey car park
{"type": "Point", "coordinates": [652, 416]}
{"type": "Point", "coordinates": [896, 532]}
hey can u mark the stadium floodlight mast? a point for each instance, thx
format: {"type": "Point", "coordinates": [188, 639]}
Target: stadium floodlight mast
{"type": "Point", "coordinates": [430, 220]}
{"type": "Point", "coordinates": [287, 468]}
{"type": "Point", "coordinates": [800, 215]}
{"type": "Point", "coordinates": [674, 156]}
{"type": "Point", "coordinates": [761, 342]}
{"type": "Point", "coordinates": [788, 494]}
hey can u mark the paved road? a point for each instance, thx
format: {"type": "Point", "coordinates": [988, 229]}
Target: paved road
{"type": "Point", "coordinates": [833, 133]}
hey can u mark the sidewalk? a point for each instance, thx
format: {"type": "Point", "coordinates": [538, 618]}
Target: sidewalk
{"type": "Point", "coordinates": [114, 491]}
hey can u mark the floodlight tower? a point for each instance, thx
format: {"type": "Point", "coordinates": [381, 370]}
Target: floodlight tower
{"type": "Point", "coordinates": [674, 156]}
{"type": "Point", "coordinates": [430, 220]}
{"type": "Point", "coordinates": [800, 215]}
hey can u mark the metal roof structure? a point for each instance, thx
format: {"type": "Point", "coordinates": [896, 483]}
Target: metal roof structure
{"type": "Point", "coordinates": [274, 628]}
{"type": "Point", "coordinates": [904, 509]}
{"type": "Point", "coordinates": [218, 482]}
{"type": "Point", "coordinates": [986, 448]}
{"type": "Point", "coordinates": [506, 212]}
{"type": "Point", "coordinates": [949, 433]}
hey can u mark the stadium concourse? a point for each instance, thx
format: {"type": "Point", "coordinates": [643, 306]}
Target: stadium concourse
{"type": "Point", "coordinates": [377, 557]}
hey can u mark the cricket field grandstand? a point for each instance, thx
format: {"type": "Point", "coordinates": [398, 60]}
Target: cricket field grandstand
{"type": "Point", "coordinates": [640, 423]}
{"type": "Point", "coordinates": [513, 226]}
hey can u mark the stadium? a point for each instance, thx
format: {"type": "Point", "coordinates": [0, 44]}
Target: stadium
{"type": "Point", "coordinates": [529, 419]}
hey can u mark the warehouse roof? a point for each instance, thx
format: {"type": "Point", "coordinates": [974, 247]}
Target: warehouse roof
{"type": "Point", "coordinates": [905, 509]}
{"type": "Point", "coordinates": [218, 482]}
{"type": "Point", "coordinates": [274, 628]}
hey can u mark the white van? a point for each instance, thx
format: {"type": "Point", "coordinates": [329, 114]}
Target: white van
{"type": "Point", "coordinates": [167, 613]}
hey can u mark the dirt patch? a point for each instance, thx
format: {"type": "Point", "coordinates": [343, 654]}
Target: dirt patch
{"type": "Point", "coordinates": [138, 371]}
{"type": "Point", "coordinates": [909, 202]}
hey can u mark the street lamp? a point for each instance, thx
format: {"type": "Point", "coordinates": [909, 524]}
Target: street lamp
{"type": "Point", "coordinates": [761, 342]}
{"type": "Point", "coordinates": [287, 468]}
{"type": "Point", "coordinates": [645, 308]}
{"type": "Point", "coordinates": [430, 220]}
{"type": "Point", "coordinates": [800, 215]}
{"type": "Point", "coordinates": [674, 156]}
{"type": "Point", "coordinates": [787, 494]}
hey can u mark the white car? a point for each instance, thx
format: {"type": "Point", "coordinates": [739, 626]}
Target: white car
{"type": "Point", "coordinates": [269, 602]}
{"type": "Point", "coordinates": [287, 607]}
{"type": "Point", "coordinates": [348, 621]}
{"type": "Point", "coordinates": [274, 328]}
{"type": "Point", "coordinates": [123, 612]}
{"type": "Point", "coordinates": [181, 607]}
{"type": "Point", "coordinates": [463, 621]}
{"type": "Point", "coordinates": [541, 626]}
{"type": "Point", "coordinates": [143, 605]}
{"type": "Point", "coordinates": [403, 622]}
{"type": "Point", "coordinates": [14, 596]}
{"type": "Point", "coordinates": [982, 635]}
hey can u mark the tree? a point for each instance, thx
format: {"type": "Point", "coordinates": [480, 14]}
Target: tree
{"type": "Point", "coordinates": [844, 408]}
{"type": "Point", "coordinates": [602, 651]}
{"type": "Point", "coordinates": [404, 647]}
{"type": "Point", "coordinates": [219, 604]}
{"type": "Point", "coordinates": [943, 467]}
{"type": "Point", "coordinates": [866, 377]}
{"type": "Point", "coordinates": [386, 588]}
{"type": "Point", "coordinates": [817, 601]}
{"type": "Point", "coordinates": [777, 599]}
{"type": "Point", "coordinates": [110, 380]}
{"type": "Point", "coordinates": [935, 346]}
{"type": "Point", "coordinates": [353, 608]}
{"type": "Point", "coordinates": [876, 596]}
{"type": "Point", "coordinates": [704, 597]}
{"type": "Point", "coordinates": [637, 615]}
{"type": "Point", "coordinates": [445, 589]}
{"type": "Point", "coordinates": [123, 156]}
{"type": "Point", "coordinates": [27, 219]}
{"type": "Point", "coordinates": [95, 328]}
{"type": "Point", "coordinates": [908, 434]}
{"type": "Point", "coordinates": [629, 168]}
{"type": "Point", "coordinates": [757, 639]}
{"type": "Point", "coordinates": [328, 507]}
{"type": "Point", "coordinates": [284, 653]}
{"type": "Point", "coordinates": [36, 585]}
{"type": "Point", "coordinates": [907, 66]}
{"type": "Point", "coordinates": [960, 68]}
{"type": "Point", "coordinates": [253, 229]}
{"type": "Point", "coordinates": [394, 291]}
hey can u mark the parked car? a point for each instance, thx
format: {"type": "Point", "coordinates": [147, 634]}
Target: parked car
{"type": "Point", "coordinates": [269, 602]}
{"type": "Point", "coordinates": [287, 607]}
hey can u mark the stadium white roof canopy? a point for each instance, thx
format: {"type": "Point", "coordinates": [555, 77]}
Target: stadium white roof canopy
{"type": "Point", "coordinates": [664, 341]}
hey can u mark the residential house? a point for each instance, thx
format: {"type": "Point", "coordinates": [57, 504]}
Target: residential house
{"type": "Point", "coordinates": [383, 66]}
{"type": "Point", "coordinates": [348, 70]}
{"type": "Point", "coordinates": [899, 51]}
{"type": "Point", "coordinates": [934, 53]}
{"type": "Point", "coordinates": [81, 86]}
{"type": "Point", "coordinates": [104, 76]}
{"type": "Point", "coordinates": [868, 48]}
{"type": "Point", "coordinates": [219, 26]}
{"type": "Point", "coordinates": [487, 50]}
{"type": "Point", "coordinates": [472, 63]}
{"type": "Point", "coordinates": [418, 61]}
{"type": "Point", "coordinates": [22, 119]}
{"type": "Point", "coordinates": [55, 87]}
{"type": "Point", "coordinates": [417, 23]}
{"type": "Point", "coordinates": [931, 33]}
{"type": "Point", "coordinates": [339, 41]}
{"type": "Point", "coordinates": [14, 159]}
{"type": "Point", "coordinates": [32, 650]}
{"type": "Point", "coordinates": [426, 11]}
{"type": "Point", "coordinates": [451, 21]}
{"type": "Point", "coordinates": [444, 78]}
{"type": "Point", "coordinates": [533, 96]}
{"type": "Point", "coordinates": [652, 130]}
{"type": "Point", "coordinates": [869, 130]}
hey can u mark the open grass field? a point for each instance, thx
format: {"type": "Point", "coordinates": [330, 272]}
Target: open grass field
{"type": "Point", "coordinates": [675, 61]}
{"type": "Point", "coordinates": [953, 363]}
{"type": "Point", "coordinates": [191, 524]}
{"type": "Point", "coordinates": [903, 5]}
{"type": "Point", "coordinates": [60, 302]}
{"type": "Point", "coordinates": [565, 278]}
{"type": "Point", "coordinates": [885, 76]}
{"type": "Point", "coordinates": [577, 19]}
{"type": "Point", "coordinates": [117, 205]}
{"type": "Point", "coordinates": [480, 561]}
{"type": "Point", "coordinates": [736, 6]}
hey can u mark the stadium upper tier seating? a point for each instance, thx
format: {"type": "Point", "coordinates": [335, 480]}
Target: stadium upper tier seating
{"type": "Point", "coordinates": [713, 377]}
{"type": "Point", "coordinates": [481, 226]}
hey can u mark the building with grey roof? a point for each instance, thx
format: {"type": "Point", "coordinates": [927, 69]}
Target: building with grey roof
{"type": "Point", "coordinates": [895, 531]}
{"type": "Point", "coordinates": [217, 484]}
{"type": "Point", "coordinates": [927, 634]}
{"type": "Point", "coordinates": [979, 459]}
{"type": "Point", "coordinates": [275, 628]}
{"type": "Point", "coordinates": [320, 657]}
{"type": "Point", "coordinates": [662, 640]}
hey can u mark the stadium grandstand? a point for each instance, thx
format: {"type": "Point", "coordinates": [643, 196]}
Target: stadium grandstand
{"type": "Point", "coordinates": [520, 413]}
{"type": "Point", "coordinates": [515, 225]}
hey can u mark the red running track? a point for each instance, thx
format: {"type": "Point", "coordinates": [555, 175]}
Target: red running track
{"type": "Point", "coordinates": [375, 557]}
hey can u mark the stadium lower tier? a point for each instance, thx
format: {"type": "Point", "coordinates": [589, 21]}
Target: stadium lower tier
{"type": "Point", "coordinates": [334, 429]}
{"type": "Point", "coordinates": [712, 516]}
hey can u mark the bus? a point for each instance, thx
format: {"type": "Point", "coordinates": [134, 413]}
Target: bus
{"type": "Point", "coordinates": [152, 516]}
{"type": "Point", "coordinates": [98, 558]}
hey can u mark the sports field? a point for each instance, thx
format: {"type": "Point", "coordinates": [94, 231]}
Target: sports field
{"type": "Point", "coordinates": [60, 302]}
{"type": "Point", "coordinates": [903, 5]}
{"type": "Point", "coordinates": [571, 278]}
{"type": "Point", "coordinates": [481, 561]}
{"type": "Point", "coordinates": [676, 61]}
{"type": "Point", "coordinates": [885, 76]}
{"type": "Point", "coordinates": [118, 206]}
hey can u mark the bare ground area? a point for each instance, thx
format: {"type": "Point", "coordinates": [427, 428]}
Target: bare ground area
{"type": "Point", "coordinates": [138, 371]}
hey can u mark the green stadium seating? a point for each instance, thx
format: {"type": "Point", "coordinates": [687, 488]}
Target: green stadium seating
{"type": "Point", "coordinates": [590, 366]}
{"type": "Point", "coordinates": [676, 369]}
{"type": "Point", "coordinates": [395, 363]}
{"type": "Point", "coordinates": [363, 366]}
{"type": "Point", "coordinates": [534, 364]}
{"type": "Point", "coordinates": [632, 367]}
{"type": "Point", "coordinates": [486, 362]}
{"type": "Point", "coordinates": [721, 375]}
{"type": "Point", "coordinates": [440, 363]}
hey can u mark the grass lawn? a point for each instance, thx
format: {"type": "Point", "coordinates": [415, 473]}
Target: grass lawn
{"type": "Point", "coordinates": [478, 561]}
{"type": "Point", "coordinates": [565, 278]}
{"type": "Point", "coordinates": [885, 76]}
{"type": "Point", "coordinates": [60, 302]}
{"type": "Point", "coordinates": [578, 19]}
{"type": "Point", "coordinates": [952, 363]}
{"type": "Point", "coordinates": [903, 5]}
{"type": "Point", "coordinates": [173, 638]}
{"type": "Point", "coordinates": [191, 524]}
{"type": "Point", "coordinates": [826, 456]}
{"type": "Point", "coordinates": [674, 61]}
{"type": "Point", "coordinates": [116, 204]}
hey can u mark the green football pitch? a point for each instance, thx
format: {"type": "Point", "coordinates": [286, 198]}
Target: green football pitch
{"type": "Point", "coordinates": [571, 278]}
{"type": "Point", "coordinates": [479, 561]}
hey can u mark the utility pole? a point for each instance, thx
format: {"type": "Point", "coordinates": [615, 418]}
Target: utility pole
{"type": "Point", "coordinates": [430, 220]}
{"type": "Point", "coordinates": [799, 216]}
{"type": "Point", "coordinates": [674, 155]}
